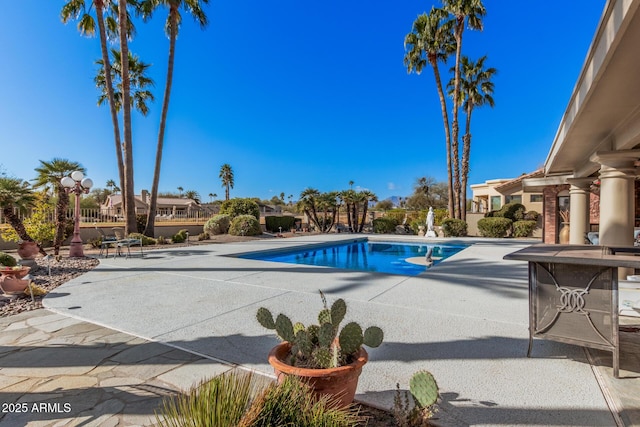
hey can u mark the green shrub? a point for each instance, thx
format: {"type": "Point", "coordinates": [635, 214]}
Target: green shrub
{"type": "Point", "coordinates": [7, 260]}
{"type": "Point", "coordinates": [397, 215]}
{"type": "Point", "coordinates": [141, 223]}
{"type": "Point", "coordinates": [490, 214]}
{"type": "Point", "coordinates": [203, 236]}
{"type": "Point", "coordinates": [146, 241]}
{"type": "Point", "coordinates": [494, 227]}
{"type": "Point", "coordinates": [513, 211]}
{"type": "Point", "coordinates": [95, 242]}
{"type": "Point", "coordinates": [236, 207]}
{"type": "Point", "coordinates": [531, 216]}
{"type": "Point", "coordinates": [439, 215]}
{"type": "Point", "coordinates": [273, 223]}
{"type": "Point", "coordinates": [524, 228]}
{"type": "Point", "coordinates": [452, 227]}
{"type": "Point", "coordinates": [245, 225]}
{"type": "Point", "coordinates": [219, 224]}
{"type": "Point", "coordinates": [384, 225]}
{"type": "Point", "coordinates": [179, 237]}
{"type": "Point", "coordinates": [161, 240]}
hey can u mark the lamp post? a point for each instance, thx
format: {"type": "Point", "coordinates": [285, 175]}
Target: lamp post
{"type": "Point", "coordinates": [76, 184]}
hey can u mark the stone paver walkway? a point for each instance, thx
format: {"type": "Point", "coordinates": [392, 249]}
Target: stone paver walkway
{"type": "Point", "coordinates": [60, 371]}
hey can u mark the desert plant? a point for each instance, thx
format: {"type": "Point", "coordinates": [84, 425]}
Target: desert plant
{"type": "Point", "coordinates": [513, 211]}
{"type": "Point", "coordinates": [494, 227]}
{"type": "Point", "coordinates": [203, 236]}
{"type": "Point", "coordinates": [452, 227]}
{"type": "Point", "coordinates": [316, 346]}
{"type": "Point", "coordinates": [293, 403]}
{"type": "Point", "coordinates": [384, 225]}
{"type": "Point", "coordinates": [179, 237]}
{"type": "Point", "coordinates": [7, 260]}
{"type": "Point", "coordinates": [141, 222]}
{"type": "Point", "coordinates": [146, 241]}
{"type": "Point", "coordinates": [237, 207]}
{"type": "Point", "coordinates": [38, 224]}
{"type": "Point", "coordinates": [161, 240]}
{"type": "Point", "coordinates": [242, 399]}
{"type": "Point", "coordinates": [245, 225]}
{"type": "Point", "coordinates": [524, 228]}
{"type": "Point", "coordinates": [424, 390]}
{"type": "Point", "coordinates": [219, 224]}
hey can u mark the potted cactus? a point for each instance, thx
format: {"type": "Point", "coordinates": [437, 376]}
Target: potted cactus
{"type": "Point", "coordinates": [330, 359]}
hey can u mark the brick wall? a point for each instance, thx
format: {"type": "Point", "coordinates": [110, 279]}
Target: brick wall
{"type": "Point", "coordinates": [550, 211]}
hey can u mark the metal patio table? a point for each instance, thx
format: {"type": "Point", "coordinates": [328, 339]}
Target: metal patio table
{"type": "Point", "coordinates": [573, 293]}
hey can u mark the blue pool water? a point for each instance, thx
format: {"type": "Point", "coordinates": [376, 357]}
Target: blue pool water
{"type": "Point", "coordinates": [364, 256]}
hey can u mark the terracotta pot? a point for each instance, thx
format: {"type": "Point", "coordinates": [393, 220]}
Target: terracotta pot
{"type": "Point", "coordinates": [11, 285]}
{"type": "Point", "coordinates": [18, 274]}
{"type": "Point", "coordinates": [341, 383]}
{"type": "Point", "coordinates": [28, 250]}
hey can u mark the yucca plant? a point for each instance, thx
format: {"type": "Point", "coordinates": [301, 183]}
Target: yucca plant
{"type": "Point", "coordinates": [242, 399]}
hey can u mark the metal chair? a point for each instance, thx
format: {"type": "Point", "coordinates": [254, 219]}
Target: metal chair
{"type": "Point", "coordinates": [106, 243]}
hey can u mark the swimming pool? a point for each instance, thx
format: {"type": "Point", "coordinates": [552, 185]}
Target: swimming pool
{"type": "Point", "coordinates": [382, 257]}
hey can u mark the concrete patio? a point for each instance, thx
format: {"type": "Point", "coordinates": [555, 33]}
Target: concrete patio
{"type": "Point", "coordinates": [464, 320]}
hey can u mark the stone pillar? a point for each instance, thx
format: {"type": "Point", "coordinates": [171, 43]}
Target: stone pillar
{"type": "Point", "coordinates": [579, 209]}
{"type": "Point", "coordinates": [617, 198]}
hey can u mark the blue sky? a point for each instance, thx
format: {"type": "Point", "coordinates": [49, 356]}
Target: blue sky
{"type": "Point", "coordinates": [292, 94]}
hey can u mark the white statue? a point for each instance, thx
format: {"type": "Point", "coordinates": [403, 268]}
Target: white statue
{"type": "Point", "coordinates": [430, 219]}
{"type": "Point", "coordinates": [431, 232]}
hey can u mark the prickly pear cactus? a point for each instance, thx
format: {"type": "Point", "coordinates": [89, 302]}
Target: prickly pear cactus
{"type": "Point", "coordinates": [373, 336]}
{"type": "Point", "coordinates": [338, 311]}
{"type": "Point", "coordinates": [326, 335]}
{"type": "Point", "coordinates": [298, 327]}
{"type": "Point", "coordinates": [303, 343]}
{"type": "Point", "coordinates": [324, 316]}
{"type": "Point", "coordinates": [284, 328]}
{"type": "Point", "coordinates": [351, 338]}
{"type": "Point", "coordinates": [424, 389]}
{"type": "Point", "coordinates": [265, 318]}
{"type": "Point", "coordinates": [322, 357]}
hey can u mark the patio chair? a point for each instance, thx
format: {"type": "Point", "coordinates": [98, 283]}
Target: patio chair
{"type": "Point", "coordinates": [127, 243]}
{"type": "Point", "coordinates": [106, 243]}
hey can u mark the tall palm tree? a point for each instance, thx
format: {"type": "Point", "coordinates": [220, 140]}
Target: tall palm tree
{"type": "Point", "coordinates": [210, 197]}
{"type": "Point", "coordinates": [139, 82]}
{"type": "Point", "coordinates": [107, 28]}
{"type": "Point", "coordinates": [180, 190]}
{"type": "Point", "coordinates": [226, 175]}
{"type": "Point", "coordinates": [16, 194]}
{"type": "Point", "coordinates": [476, 90]}
{"type": "Point", "coordinates": [367, 197]}
{"type": "Point", "coordinates": [174, 19]}
{"type": "Point", "coordinates": [49, 174]}
{"type": "Point", "coordinates": [471, 12]}
{"type": "Point", "coordinates": [431, 41]}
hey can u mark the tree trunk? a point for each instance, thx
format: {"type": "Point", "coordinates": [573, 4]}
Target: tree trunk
{"type": "Point", "coordinates": [466, 153]}
{"type": "Point", "coordinates": [149, 229]}
{"type": "Point", "coordinates": [445, 118]}
{"type": "Point", "coordinates": [128, 188]}
{"type": "Point", "coordinates": [99, 4]}
{"type": "Point", "coordinates": [61, 218]}
{"type": "Point", "coordinates": [364, 215]}
{"type": "Point", "coordinates": [454, 125]}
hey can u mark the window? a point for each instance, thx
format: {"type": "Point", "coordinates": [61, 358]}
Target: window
{"type": "Point", "coordinates": [535, 198]}
{"type": "Point", "coordinates": [513, 199]}
{"type": "Point", "coordinates": [495, 203]}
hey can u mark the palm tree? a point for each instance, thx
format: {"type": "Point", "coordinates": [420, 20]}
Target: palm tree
{"type": "Point", "coordinates": [193, 195]}
{"type": "Point", "coordinates": [210, 197]}
{"type": "Point", "coordinates": [86, 25]}
{"type": "Point", "coordinates": [50, 173]}
{"type": "Point", "coordinates": [226, 175]}
{"type": "Point", "coordinates": [139, 82]}
{"type": "Point", "coordinates": [111, 185]}
{"type": "Point", "coordinates": [307, 204]}
{"type": "Point", "coordinates": [472, 12]}
{"type": "Point", "coordinates": [174, 19]}
{"type": "Point", "coordinates": [180, 190]}
{"type": "Point", "coordinates": [431, 41]}
{"type": "Point", "coordinates": [367, 197]}
{"type": "Point", "coordinates": [476, 90]}
{"type": "Point", "coordinates": [16, 194]}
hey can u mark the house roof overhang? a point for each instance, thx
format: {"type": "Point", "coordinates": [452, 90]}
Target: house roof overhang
{"type": "Point", "coordinates": [603, 113]}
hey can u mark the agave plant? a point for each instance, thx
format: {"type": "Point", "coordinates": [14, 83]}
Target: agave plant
{"type": "Point", "coordinates": [323, 345]}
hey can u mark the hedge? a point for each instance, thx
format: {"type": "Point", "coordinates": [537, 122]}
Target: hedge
{"type": "Point", "coordinates": [524, 228]}
{"type": "Point", "coordinates": [273, 223]}
{"type": "Point", "coordinates": [494, 227]}
{"type": "Point", "coordinates": [454, 227]}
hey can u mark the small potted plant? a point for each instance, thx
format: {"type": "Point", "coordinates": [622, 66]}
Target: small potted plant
{"type": "Point", "coordinates": [330, 359]}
